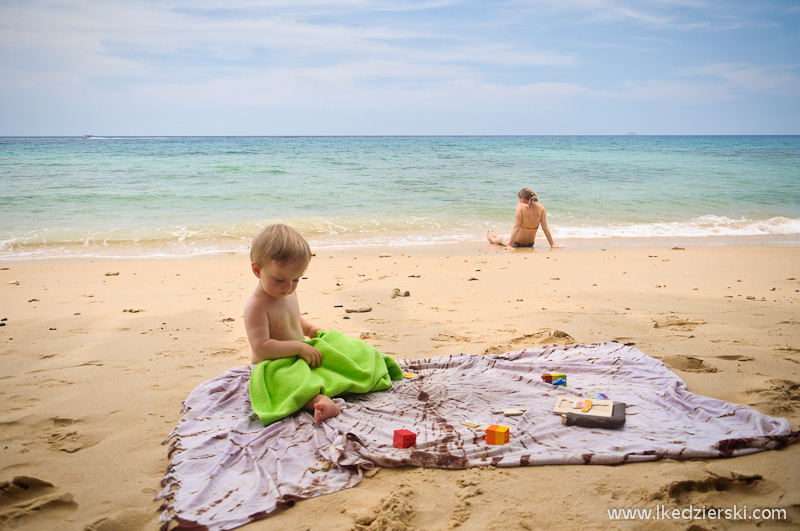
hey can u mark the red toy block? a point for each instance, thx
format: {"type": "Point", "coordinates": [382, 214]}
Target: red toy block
{"type": "Point", "coordinates": [497, 434]}
{"type": "Point", "coordinates": [404, 438]}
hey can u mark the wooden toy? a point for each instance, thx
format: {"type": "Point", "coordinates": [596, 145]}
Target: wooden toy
{"type": "Point", "coordinates": [409, 375]}
{"type": "Point", "coordinates": [510, 412]}
{"type": "Point", "coordinates": [555, 378]}
{"type": "Point", "coordinates": [477, 425]}
{"type": "Point", "coordinates": [404, 438]}
{"type": "Point", "coordinates": [598, 413]}
{"type": "Point", "coordinates": [568, 404]}
{"type": "Point", "coordinates": [497, 434]}
{"type": "Point", "coordinates": [583, 405]}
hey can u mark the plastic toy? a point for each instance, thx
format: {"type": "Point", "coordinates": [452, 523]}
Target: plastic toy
{"type": "Point", "coordinates": [593, 394]}
{"type": "Point", "coordinates": [404, 438]}
{"type": "Point", "coordinates": [555, 378]}
{"type": "Point", "coordinates": [497, 434]}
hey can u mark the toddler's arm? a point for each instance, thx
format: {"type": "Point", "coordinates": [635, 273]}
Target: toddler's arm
{"type": "Point", "coordinates": [273, 349]}
{"type": "Point", "coordinates": [309, 328]}
{"type": "Point", "coordinates": [264, 347]}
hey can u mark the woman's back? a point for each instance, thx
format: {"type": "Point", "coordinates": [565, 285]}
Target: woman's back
{"type": "Point", "coordinates": [531, 215]}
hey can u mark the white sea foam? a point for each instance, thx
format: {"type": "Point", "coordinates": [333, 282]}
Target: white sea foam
{"type": "Point", "coordinates": [200, 241]}
{"type": "Point", "coordinates": [701, 227]}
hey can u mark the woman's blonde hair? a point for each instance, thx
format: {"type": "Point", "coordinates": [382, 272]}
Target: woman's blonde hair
{"type": "Point", "coordinates": [279, 243]}
{"type": "Point", "coordinates": [527, 193]}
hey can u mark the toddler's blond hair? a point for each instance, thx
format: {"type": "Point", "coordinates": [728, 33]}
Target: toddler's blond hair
{"type": "Point", "coordinates": [279, 243]}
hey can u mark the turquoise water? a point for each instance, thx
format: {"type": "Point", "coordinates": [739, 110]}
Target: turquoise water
{"type": "Point", "coordinates": [179, 196]}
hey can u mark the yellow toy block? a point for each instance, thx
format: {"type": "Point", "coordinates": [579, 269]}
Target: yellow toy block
{"type": "Point", "coordinates": [497, 434]}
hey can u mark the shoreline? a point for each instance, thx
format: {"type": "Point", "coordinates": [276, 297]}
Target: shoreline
{"type": "Point", "coordinates": [98, 357]}
{"type": "Point", "coordinates": [473, 247]}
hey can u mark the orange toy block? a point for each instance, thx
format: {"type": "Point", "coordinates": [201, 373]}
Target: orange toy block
{"type": "Point", "coordinates": [497, 434]}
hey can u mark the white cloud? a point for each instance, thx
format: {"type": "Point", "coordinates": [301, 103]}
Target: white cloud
{"type": "Point", "coordinates": [710, 84]}
{"type": "Point", "coordinates": [665, 91]}
{"type": "Point", "coordinates": [751, 79]}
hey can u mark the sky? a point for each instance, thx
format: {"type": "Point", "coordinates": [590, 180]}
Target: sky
{"type": "Point", "coordinates": [399, 67]}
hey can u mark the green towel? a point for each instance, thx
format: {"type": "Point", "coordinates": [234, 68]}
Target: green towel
{"type": "Point", "coordinates": [280, 387]}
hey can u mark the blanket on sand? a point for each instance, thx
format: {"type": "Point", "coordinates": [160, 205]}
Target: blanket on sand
{"type": "Point", "coordinates": [281, 387]}
{"type": "Point", "coordinates": [226, 469]}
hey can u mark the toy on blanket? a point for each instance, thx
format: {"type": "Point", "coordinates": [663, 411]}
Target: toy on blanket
{"type": "Point", "coordinates": [476, 425]}
{"type": "Point", "coordinates": [583, 405]}
{"type": "Point", "coordinates": [497, 434]}
{"type": "Point", "coordinates": [510, 412]}
{"type": "Point", "coordinates": [595, 394]}
{"type": "Point", "coordinates": [555, 378]}
{"type": "Point", "coordinates": [404, 438]}
{"type": "Point", "coordinates": [598, 413]}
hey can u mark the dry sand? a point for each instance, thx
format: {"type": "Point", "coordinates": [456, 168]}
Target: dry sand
{"type": "Point", "coordinates": [97, 358]}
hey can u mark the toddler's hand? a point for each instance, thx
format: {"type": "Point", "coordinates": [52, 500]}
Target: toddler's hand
{"type": "Point", "coordinates": [310, 355]}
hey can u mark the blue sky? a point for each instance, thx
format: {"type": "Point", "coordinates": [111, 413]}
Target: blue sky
{"type": "Point", "coordinates": [313, 67]}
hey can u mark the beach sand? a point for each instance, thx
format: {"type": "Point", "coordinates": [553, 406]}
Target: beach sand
{"type": "Point", "coordinates": [98, 357]}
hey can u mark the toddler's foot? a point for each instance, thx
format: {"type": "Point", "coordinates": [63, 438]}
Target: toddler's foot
{"type": "Point", "coordinates": [491, 236]}
{"type": "Point", "coordinates": [324, 408]}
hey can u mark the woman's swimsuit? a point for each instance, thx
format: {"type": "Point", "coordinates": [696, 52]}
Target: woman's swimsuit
{"type": "Point", "coordinates": [517, 244]}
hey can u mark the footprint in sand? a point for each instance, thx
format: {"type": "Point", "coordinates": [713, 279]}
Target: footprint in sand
{"type": "Point", "coordinates": [779, 398]}
{"type": "Point", "coordinates": [711, 487]}
{"type": "Point", "coordinates": [50, 382]}
{"type": "Point", "coordinates": [394, 514]}
{"type": "Point", "coordinates": [547, 336]}
{"type": "Point", "coordinates": [226, 352]}
{"type": "Point", "coordinates": [677, 323]}
{"type": "Point", "coordinates": [65, 438]}
{"type": "Point", "coordinates": [688, 364]}
{"type": "Point", "coordinates": [736, 357]}
{"type": "Point", "coordinates": [65, 442]}
{"type": "Point", "coordinates": [791, 352]}
{"type": "Point", "coordinates": [20, 403]}
{"type": "Point", "coordinates": [462, 510]}
{"type": "Point", "coordinates": [125, 519]}
{"type": "Point", "coordinates": [34, 503]}
{"type": "Point", "coordinates": [450, 337]}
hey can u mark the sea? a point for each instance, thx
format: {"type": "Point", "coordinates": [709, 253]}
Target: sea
{"type": "Point", "coordinates": [110, 197]}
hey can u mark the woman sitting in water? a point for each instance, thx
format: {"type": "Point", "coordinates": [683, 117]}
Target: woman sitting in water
{"type": "Point", "coordinates": [530, 216]}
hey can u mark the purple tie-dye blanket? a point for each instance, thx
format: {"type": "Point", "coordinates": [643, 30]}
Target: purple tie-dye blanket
{"type": "Point", "coordinates": [226, 469]}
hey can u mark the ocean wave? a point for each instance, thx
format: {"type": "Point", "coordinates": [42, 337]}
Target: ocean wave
{"type": "Point", "coordinates": [704, 226]}
{"type": "Point", "coordinates": [190, 241]}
